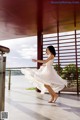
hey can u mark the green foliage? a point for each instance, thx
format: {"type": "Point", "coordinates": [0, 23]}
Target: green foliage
{"type": "Point", "coordinates": [68, 72]}
{"type": "Point", "coordinates": [79, 73]}
{"type": "Point", "coordinates": [32, 88]}
{"type": "Point", "coordinates": [58, 69]}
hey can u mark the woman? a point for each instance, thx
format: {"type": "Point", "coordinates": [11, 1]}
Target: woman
{"type": "Point", "coordinates": [46, 78]}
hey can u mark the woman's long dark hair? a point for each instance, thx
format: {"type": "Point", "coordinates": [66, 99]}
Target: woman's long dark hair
{"type": "Point", "coordinates": [52, 50]}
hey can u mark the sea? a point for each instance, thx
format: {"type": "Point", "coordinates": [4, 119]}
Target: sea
{"type": "Point", "coordinates": [18, 82]}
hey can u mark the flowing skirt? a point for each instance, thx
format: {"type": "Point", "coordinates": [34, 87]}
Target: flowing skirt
{"type": "Point", "coordinates": [45, 75]}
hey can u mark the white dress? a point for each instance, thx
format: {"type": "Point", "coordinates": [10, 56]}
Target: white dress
{"type": "Point", "coordinates": [45, 75]}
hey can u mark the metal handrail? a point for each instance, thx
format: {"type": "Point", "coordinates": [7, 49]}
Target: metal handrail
{"type": "Point", "coordinates": [4, 50]}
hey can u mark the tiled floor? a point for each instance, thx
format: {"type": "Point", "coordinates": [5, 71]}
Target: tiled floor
{"type": "Point", "coordinates": [30, 105]}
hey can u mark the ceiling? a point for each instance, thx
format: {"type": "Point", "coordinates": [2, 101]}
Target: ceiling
{"type": "Point", "coordinates": [18, 18]}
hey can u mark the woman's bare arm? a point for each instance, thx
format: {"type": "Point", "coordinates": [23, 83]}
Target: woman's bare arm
{"type": "Point", "coordinates": [44, 61]}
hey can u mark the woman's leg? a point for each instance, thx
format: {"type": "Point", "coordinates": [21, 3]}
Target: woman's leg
{"type": "Point", "coordinates": [52, 93]}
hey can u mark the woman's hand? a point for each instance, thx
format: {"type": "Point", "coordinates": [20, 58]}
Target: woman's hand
{"type": "Point", "coordinates": [34, 60]}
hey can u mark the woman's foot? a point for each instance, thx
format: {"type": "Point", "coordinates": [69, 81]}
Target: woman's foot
{"type": "Point", "coordinates": [52, 99]}
{"type": "Point", "coordinates": [55, 98]}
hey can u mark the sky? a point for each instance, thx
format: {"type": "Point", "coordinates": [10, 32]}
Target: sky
{"type": "Point", "coordinates": [22, 51]}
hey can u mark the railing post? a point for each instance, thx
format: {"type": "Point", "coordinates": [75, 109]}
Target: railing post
{"type": "Point", "coordinates": [2, 82]}
{"type": "Point", "coordinates": [9, 83]}
{"type": "Point", "coordinates": [3, 50]}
